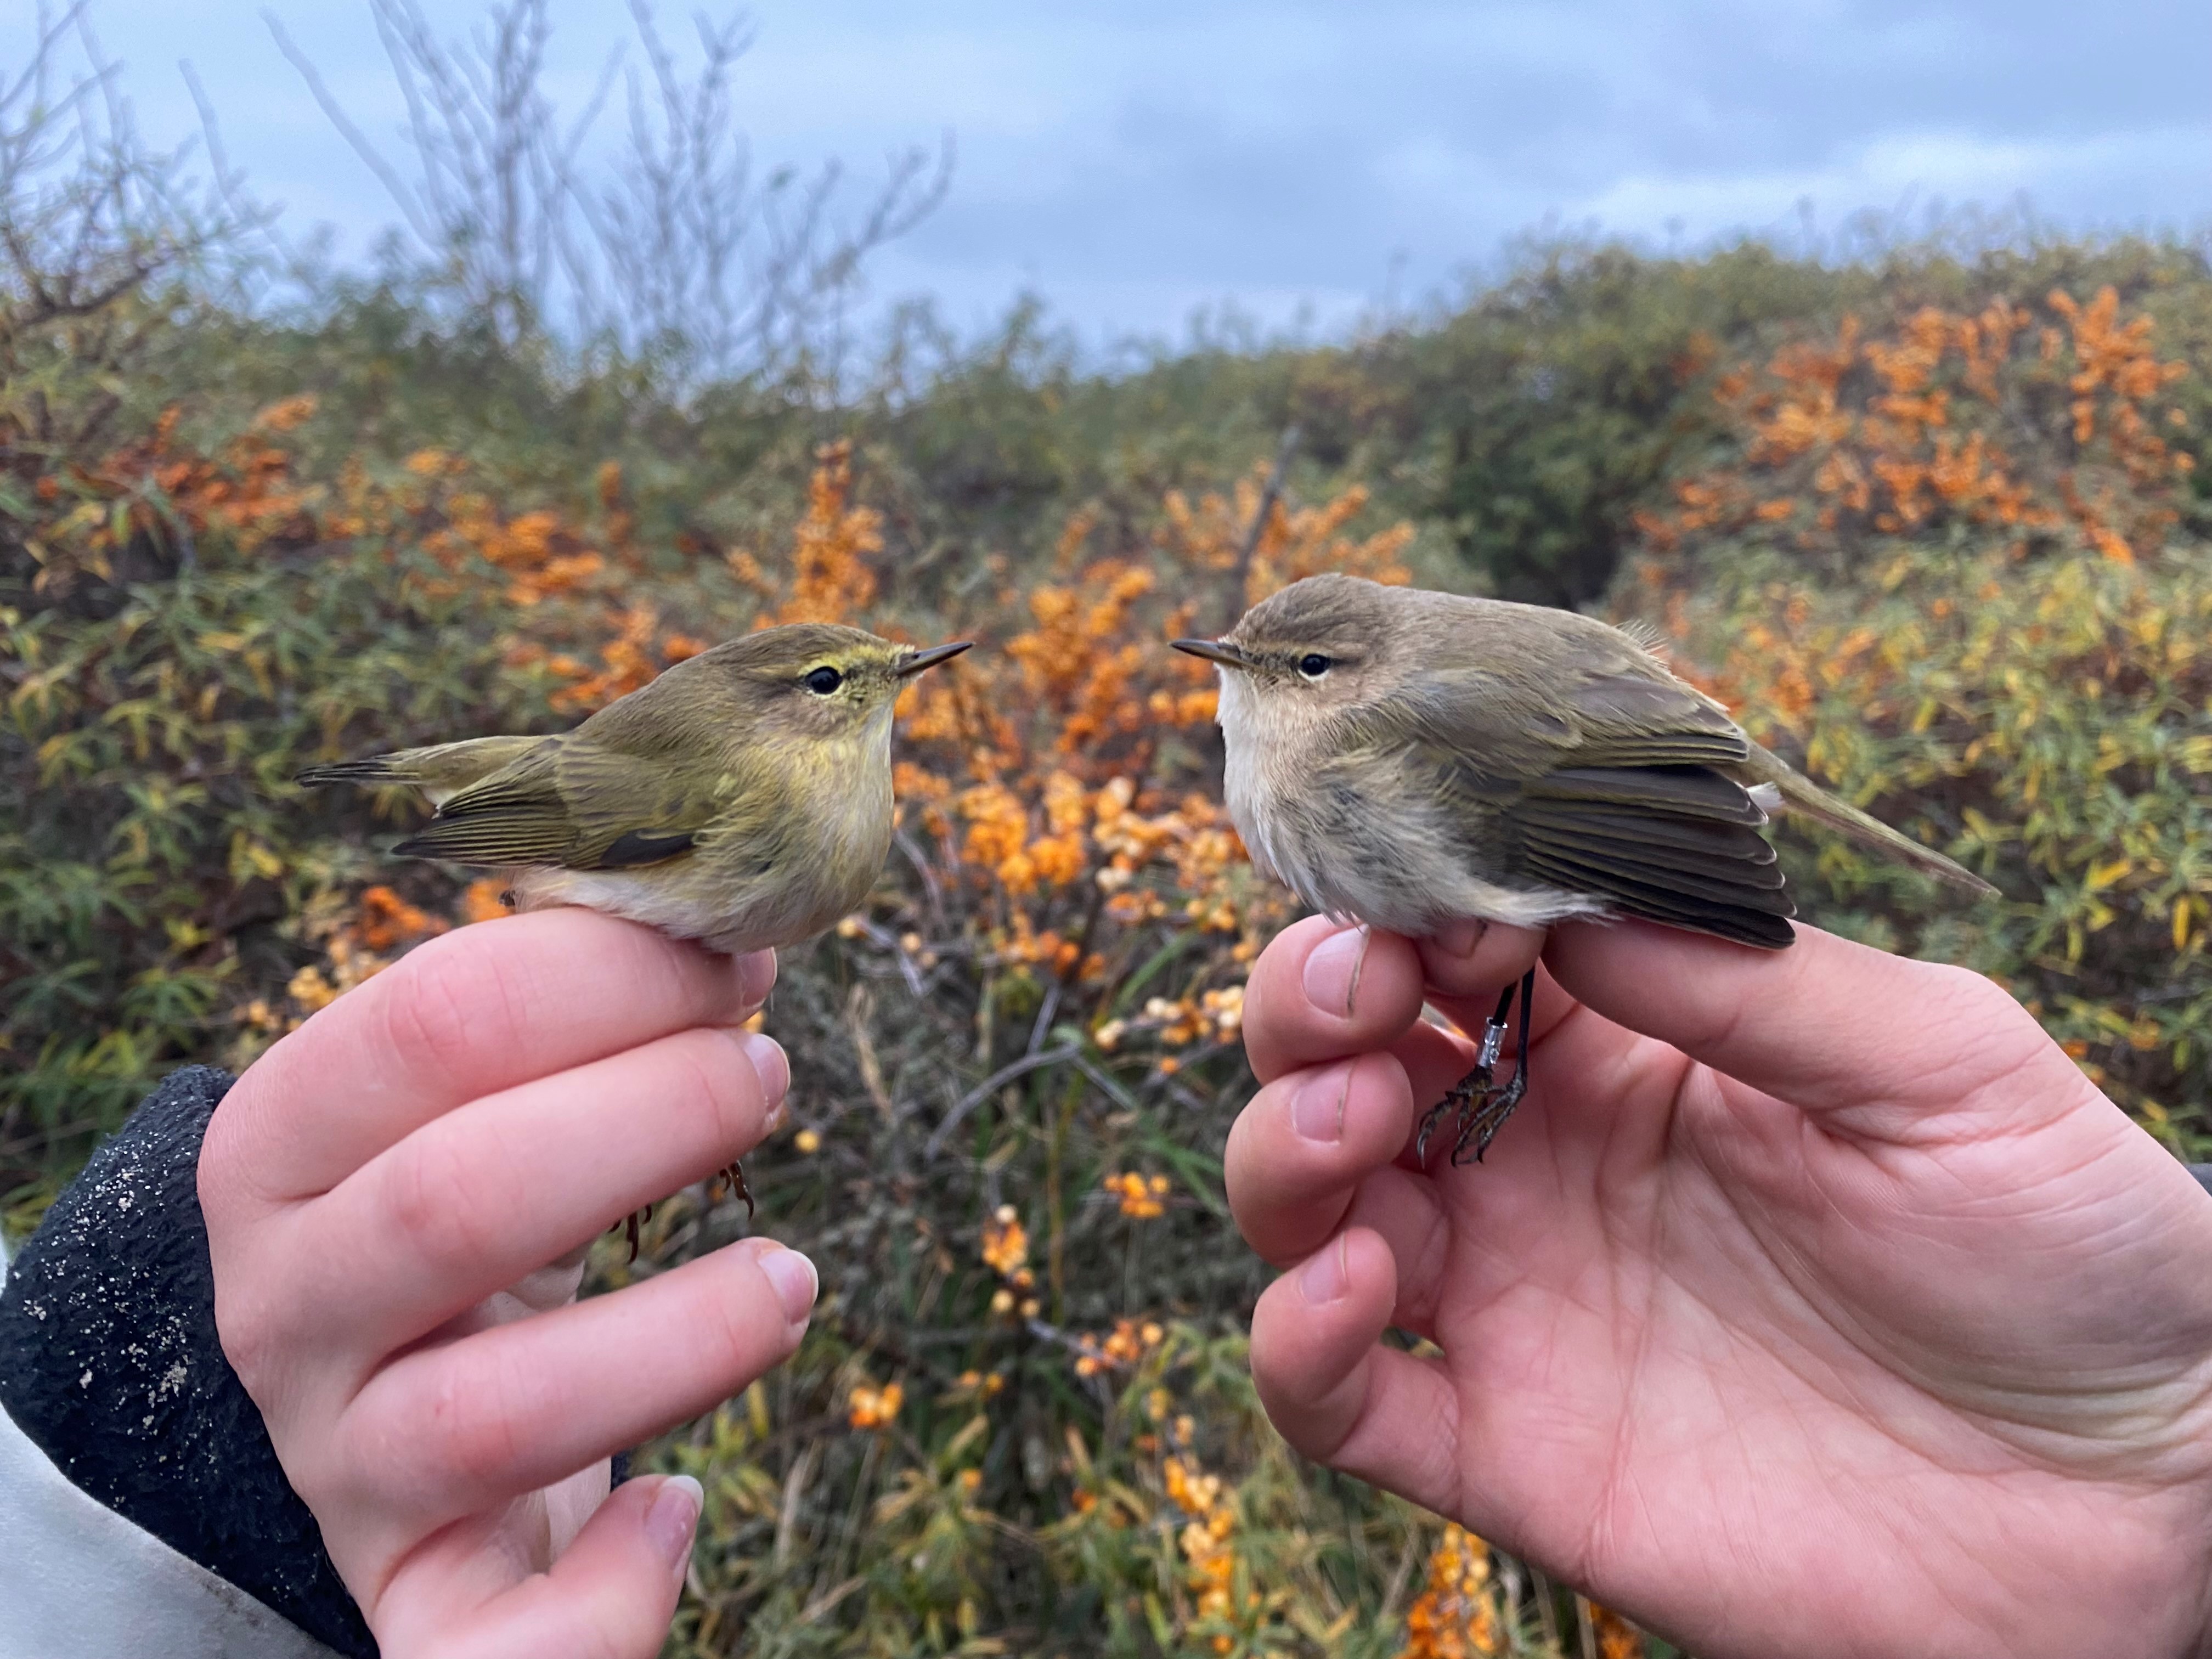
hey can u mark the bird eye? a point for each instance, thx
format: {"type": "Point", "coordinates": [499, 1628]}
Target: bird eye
{"type": "Point", "coordinates": [1313, 666]}
{"type": "Point", "coordinates": [823, 680]}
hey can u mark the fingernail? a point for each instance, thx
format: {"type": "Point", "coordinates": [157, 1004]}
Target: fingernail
{"type": "Point", "coordinates": [770, 1060]}
{"type": "Point", "coordinates": [756, 977]}
{"type": "Point", "coordinates": [1332, 970]}
{"type": "Point", "coordinates": [1459, 938]}
{"type": "Point", "coordinates": [1317, 1110]}
{"type": "Point", "coordinates": [674, 1518]}
{"type": "Point", "coordinates": [1325, 1279]}
{"type": "Point", "coordinates": [795, 1281]}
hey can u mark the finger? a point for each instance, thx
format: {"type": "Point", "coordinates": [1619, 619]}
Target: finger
{"type": "Point", "coordinates": [468, 1014]}
{"type": "Point", "coordinates": [1872, 1040]}
{"type": "Point", "coordinates": [479, 1198]}
{"type": "Point", "coordinates": [1299, 1150]}
{"type": "Point", "coordinates": [451, 1429]}
{"type": "Point", "coordinates": [1319, 991]}
{"type": "Point", "coordinates": [1471, 960]}
{"type": "Point", "coordinates": [1431, 1054]}
{"type": "Point", "coordinates": [1335, 1392]}
{"type": "Point", "coordinates": [611, 1594]}
{"type": "Point", "coordinates": [1406, 1209]}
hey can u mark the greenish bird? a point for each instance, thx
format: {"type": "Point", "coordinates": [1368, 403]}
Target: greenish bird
{"type": "Point", "coordinates": [1408, 759]}
{"type": "Point", "coordinates": [742, 799]}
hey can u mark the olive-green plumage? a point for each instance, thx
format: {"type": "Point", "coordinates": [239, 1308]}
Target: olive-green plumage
{"type": "Point", "coordinates": [743, 799]}
{"type": "Point", "coordinates": [1411, 759]}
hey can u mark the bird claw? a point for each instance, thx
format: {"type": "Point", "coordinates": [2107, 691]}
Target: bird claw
{"type": "Point", "coordinates": [1460, 1097]}
{"type": "Point", "coordinates": [630, 1224]}
{"type": "Point", "coordinates": [1481, 1123]}
{"type": "Point", "coordinates": [734, 1174]}
{"type": "Point", "coordinates": [1481, 1104]}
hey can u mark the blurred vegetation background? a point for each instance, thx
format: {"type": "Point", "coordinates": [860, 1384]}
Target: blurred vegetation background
{"type": "Point", "coordinates": [1933, 514]}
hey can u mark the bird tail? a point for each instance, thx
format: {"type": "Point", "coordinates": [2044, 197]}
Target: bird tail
{"type": "Point", "coordinates": [1800, 793]}
{"type": "Point", "coordinates": [439, 771]}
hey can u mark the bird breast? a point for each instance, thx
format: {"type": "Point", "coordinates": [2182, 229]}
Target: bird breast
{"type": "Point", "coordinates": [774, 883]}
{"type": "Point", "coordinates": [1368, 837]}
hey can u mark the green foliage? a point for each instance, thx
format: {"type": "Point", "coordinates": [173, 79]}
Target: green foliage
{"type": "Point", "coordinates": [1949, 554]}
{"type": "Point", "coordinates": [153, 844]}
{"type": "Point", "coordinates": [2052, 724]}
{"type": "Point", "coordinates": [376, 524]}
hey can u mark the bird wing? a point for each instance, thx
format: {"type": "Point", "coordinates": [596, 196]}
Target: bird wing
{"type": "Point", "coordinates": [1671, 843]}
{"type": "Point", "coordinates": [440, 771]}
{"type": "Point", "coordinates": [577, 804]}
{"type": "Point", "coordinates": [1620, 789]}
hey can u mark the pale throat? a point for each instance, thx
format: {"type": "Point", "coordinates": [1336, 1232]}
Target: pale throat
{"type": "Point", "coordinates": [849, 779]}
{"type": "Point", "coordinates": [1257, 769]}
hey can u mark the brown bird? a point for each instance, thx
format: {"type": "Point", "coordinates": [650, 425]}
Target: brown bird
{"type": "Point", "coordinates": [1408, 759]}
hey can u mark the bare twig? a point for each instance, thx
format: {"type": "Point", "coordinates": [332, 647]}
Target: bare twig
{"type": "Point", "coordinates": [1547, 1618]}
{"type": "Point", "coordinates": [1240, 577]}
{"type": "Point", "coordinates": [88, 214]}
{"type": "Point", "coordinates": [673, 253]}
{"type": "Point", "coordinates": [998, 1079]}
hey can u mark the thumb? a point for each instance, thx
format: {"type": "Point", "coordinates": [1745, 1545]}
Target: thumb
{"type": "Point", "coordinates": [1865, 1039]}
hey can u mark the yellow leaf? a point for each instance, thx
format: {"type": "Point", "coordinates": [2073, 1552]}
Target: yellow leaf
{"type": "Point", "coordinates": [2102, 876]}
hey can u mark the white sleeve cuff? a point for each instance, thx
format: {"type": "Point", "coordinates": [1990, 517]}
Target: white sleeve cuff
{"type": "Point", "coordinates": [77, 1581]}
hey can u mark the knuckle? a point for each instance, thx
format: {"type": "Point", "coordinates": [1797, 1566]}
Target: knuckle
{"type": "Point", "coordinates": [245, 1145]}
{"type": "Point", "coordinates": [469, 1419]}
{"type": "Point", "coordinates": [711, 1079]}
{"type": "Point", "coordinates": [250, 1326]}
{"type": "Point", "coordinates": [433, 1198]}
{"type": "Point", "coordinates": [423, 1452]}
{"type": "Point", "coordinates": [607, 1628]}
{"type": "Point", "coordinates": [1991, 1037]}
{"type": "Point", "coordinates": [441, 1427]}
{"type": "Point", "coordinates": [1963, 991]}
{"type": "Point", "coordinates": [445, 1000]}
{"type": "Point", "coordinates": [1974, 1009]}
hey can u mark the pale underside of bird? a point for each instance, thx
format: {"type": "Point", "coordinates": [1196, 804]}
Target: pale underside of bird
{"type": "Point", "coordinates": [1408, 760]}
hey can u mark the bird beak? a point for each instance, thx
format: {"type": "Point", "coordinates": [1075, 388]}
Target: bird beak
{"type": "Point", "coordinates": [1218, 651]}
{"type": "Point", "coordinates": [937, 654]}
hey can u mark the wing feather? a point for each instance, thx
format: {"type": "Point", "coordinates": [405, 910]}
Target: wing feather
{"type": "Point", "coordinates": [1672, 844]}
{"type": "Point", "coordinates": [1594, 770]}
{"type": "Point", "coordinates": [576, 804]}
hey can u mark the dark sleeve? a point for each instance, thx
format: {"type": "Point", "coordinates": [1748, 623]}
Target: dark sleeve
{"type": "Point", "coordinates": [109, 1362]}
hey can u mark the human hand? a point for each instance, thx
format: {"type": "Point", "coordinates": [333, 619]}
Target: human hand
{"type": "Point", "coordinates": [398, 1197]}
{"type": "Point", "coordinates": [1814, 1303]}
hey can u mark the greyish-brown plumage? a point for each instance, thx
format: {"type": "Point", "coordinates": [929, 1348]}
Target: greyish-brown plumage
{"type": "Point", "coordinates": [1409, 759]}
{"type": "Point", "coordinates": [743, 799]}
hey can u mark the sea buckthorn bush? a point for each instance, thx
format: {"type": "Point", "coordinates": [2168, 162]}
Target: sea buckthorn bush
{"type": "Point", "coordinates": [1937, 531]}
{"type": "Point", "coordinates": [1947, 564]}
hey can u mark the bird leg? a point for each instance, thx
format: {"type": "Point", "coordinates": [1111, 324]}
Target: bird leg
{"type": "Point", "coordinates": [734, 1174]}
{"type": "Point", "coordinates": [1482, 1103]}
{"type": "Point", "coordinates": [1482, 1126]}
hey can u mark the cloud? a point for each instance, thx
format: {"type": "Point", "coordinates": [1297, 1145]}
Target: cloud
{"type": "Point", "coordinates": [1131, 162]}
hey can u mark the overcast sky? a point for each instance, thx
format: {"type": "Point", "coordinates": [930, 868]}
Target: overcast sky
{"type": "Point", "coordinates": [1135, 162]}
